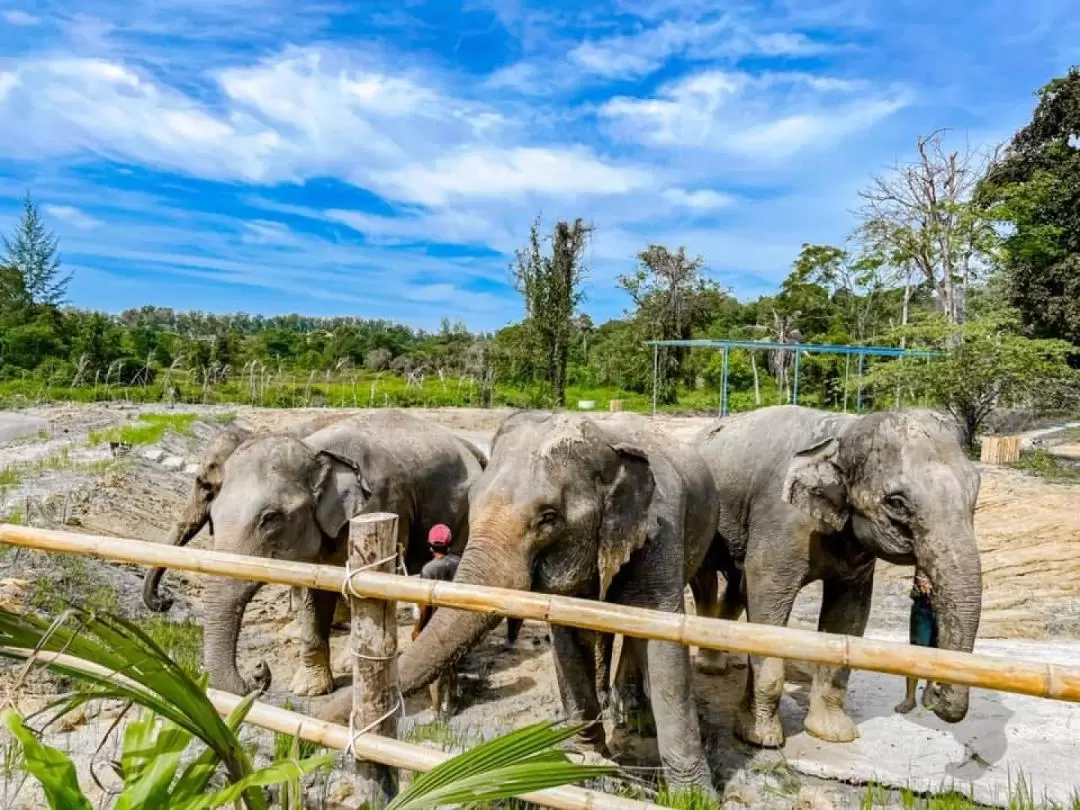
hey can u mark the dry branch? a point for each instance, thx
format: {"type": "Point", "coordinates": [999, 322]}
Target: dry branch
{"type": "Point", "coordinates": [968, 669]}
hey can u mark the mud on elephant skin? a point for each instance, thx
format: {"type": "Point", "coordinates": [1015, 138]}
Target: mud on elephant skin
{"type": "Point", "coordinates": [622, 514]}
{"type": "Point", "coordinates": [292, 499]}
{"type": "Point", "coordinates": [806, 495]}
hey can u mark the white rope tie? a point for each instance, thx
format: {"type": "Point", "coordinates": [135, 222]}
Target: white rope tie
{"type": "Point", "coordinates": [350, 749]}
{"type": "Point", "coordinates": [346, 584]}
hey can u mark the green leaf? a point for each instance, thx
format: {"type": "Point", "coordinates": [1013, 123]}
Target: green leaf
{"type": "Point", "coordinates": [51, 767]}
{"type": "Point", "coordinates": [271, 775]}
{"type": "Point", "coordinates": [519, 762]}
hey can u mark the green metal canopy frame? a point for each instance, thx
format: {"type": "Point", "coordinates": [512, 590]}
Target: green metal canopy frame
{"type": "Point", "coordinates": [725, 346]}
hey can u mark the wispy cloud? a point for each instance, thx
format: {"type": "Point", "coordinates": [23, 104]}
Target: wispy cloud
{"type": "Point", "coordinates": [72, 216]}
{"type": "Point", "coordinates": [19, 17]}
{"type": "Point", "coordinates": [766, 117]}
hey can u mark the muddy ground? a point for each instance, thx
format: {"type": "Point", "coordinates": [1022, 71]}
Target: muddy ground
{"type": "Point", "coordinates": [1029, 533]}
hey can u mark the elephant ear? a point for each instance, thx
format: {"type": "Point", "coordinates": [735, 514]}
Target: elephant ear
{"type": "Point", "coordinates": [815, 484]}
{"type": "Point", "coordinates": [627, 486]}
{"type": "Point", "coordinates": [340, 491]}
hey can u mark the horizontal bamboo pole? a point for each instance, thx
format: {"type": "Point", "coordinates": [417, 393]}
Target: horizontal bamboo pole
{"type": "Point", "coordinates": [371, 747]}
{"type": "Point", "coordinates": [947, 666]}
{"type": "Point", "coordinates": [406, 755]}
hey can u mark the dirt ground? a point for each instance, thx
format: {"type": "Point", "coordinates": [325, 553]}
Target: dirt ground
{"type": "Point", "coordinates": [1029, 534]}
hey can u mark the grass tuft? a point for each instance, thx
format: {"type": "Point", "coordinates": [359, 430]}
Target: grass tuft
{"type": "Point", "coordinates": [149, 428]}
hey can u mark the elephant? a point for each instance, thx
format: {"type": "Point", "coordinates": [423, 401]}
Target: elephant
{"type": "Point", "coordinates": [806, 495]}
{"type": "Point", "coordinates": [290, 498]}
{"type": "Point", "coordinates": [616, 513]}
{"type": "Point", "coordinates": [196, 511]}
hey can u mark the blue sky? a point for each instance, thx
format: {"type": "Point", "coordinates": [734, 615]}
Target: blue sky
{"type": "Point", "coordinates": [383, 159]}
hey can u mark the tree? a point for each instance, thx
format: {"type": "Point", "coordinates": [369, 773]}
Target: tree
{"type": "Point", "coordinates": [1034, 190]}
{"type": "Point", "coordinates": [985, 365]}
{"type": "Point", "coordinates": [551, 289]}
{"type": "Point", "coordinates": [921, 216]}
{"type": "Point", "coordinates": [32, 252]}
{"type": "Point", "coordinates": [672, 299]}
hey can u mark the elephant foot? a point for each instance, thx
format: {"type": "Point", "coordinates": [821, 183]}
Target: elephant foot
{"type": "Point", "coordinates": [831, 725]}
{"type": "Point", "coordinates": [764, 731]}
{"type": "Point", "coordinates": [904, 706]}
{"type": "Point", "coordinates": [310, 681]}
{"type": "Point", "coordinates": [711, 662]}
{"type": "Point", "coordinates": [929, 696]}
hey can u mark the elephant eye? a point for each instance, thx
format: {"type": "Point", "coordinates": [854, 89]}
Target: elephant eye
{"type": "Point", "coordinates": [548, 517]}
{"type": "Point", "coordinates": [896, 502]}
{"type": "Point", "coordinates": [269, 519]}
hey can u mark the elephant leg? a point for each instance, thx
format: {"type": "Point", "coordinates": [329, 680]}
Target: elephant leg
{"type": "Point", "coordinates": [342, 614]}
{"type": "Point", "coordinates": [669, 677]}
{"type": "Point", "coordinates": [630, 693]}
{"type": "Point", "coordinates": [757, 721]}
{"type": "Point", "coordinates": [315, 617]}
{"type": "Point", "coordinates": [845, 608]}
{"type": "Point", "coordinates": [575, 672]}
{"type": "Point", "coordinates": [706, 589]}
{"type": "Point", "coordinates": [513, 628]}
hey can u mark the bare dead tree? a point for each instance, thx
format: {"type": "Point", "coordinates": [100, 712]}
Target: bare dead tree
{"type": "Point", "coordinates": [920, 215]}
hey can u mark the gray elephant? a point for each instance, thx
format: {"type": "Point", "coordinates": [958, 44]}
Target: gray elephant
{"type": "Point", "coordinates": [288, 498]}
{"type": "Point", "coordinates": [807, 495]}
{"type": "Point", "coordinates": [196, 510]}
{"type": "Point", "coordinates": [620, 514]}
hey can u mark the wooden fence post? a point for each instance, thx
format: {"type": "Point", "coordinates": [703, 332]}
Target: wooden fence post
{"type": "Point", "coordinates": [373, 547]}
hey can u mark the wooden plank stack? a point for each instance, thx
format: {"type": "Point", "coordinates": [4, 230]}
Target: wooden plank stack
{"type": "Point", "coordinates": [1000, 450]}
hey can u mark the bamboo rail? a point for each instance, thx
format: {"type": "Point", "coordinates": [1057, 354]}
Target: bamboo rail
{"type": "Point", "coordinates": [372, 747]}
{"type": "Point", "coordinates": [967, 669]}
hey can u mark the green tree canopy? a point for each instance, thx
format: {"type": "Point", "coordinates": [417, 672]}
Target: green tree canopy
{"type": "Point", "coordinates": [1034, 190]}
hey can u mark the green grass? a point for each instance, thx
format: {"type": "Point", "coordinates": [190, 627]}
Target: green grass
{"type": "Point", "coordinates": [283, 742]}
{"type": "Point", "coordinates": [10, 476]}
{"type": "Point", "coordinates": [1049, 467]}
{"type": "Point", "coordinates": [364, 389]}
{"type": "Point", "coordinates": [181, 640]}
{"type": "Point", "coordinates": [73, 583]}
{"type": "Point", "coordinates": [437, 732]}
{"type": "Point", "coordinates": [149, 428]}
{"type": "Point", "coordinates": [1021, 797]}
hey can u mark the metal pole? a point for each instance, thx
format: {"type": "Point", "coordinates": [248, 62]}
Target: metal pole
{"type": "Point", "coordinates": [795, 387]}
{"type": "Point", "coordinates": [723, 384]}
{"type": "Point", "coordinates": [858, 392]}
{"type": "Point", "coordinates": [655, 374]}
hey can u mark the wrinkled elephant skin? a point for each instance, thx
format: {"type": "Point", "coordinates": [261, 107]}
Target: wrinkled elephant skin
{"type": "Point", "coordinates": [806, 495]}
{"type": "Point", "coordinates": [619, 513]}
{"type": "Point", "coordinates": [292, 499]}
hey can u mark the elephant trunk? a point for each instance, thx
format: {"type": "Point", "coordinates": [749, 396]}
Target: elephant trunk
{"type": "Point", "coordinates": [196, 515]}
{"type": "Point", "coordinates": [490, 559]}
{"type": "Point", "coordinates": [956, 579]}
{"type": "Point", "coordinates": [224, 604]}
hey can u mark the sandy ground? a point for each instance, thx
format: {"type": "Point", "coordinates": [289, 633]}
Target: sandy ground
{"type": "Point", "coordinates": [1029, 533]}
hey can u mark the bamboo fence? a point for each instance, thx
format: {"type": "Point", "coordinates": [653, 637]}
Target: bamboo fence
{"type": "Point", "coordinates": [947, 666]}
{"type": "Point", "coordinates": [371, 747]}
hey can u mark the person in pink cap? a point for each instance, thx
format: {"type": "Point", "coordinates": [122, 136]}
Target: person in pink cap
{"type": "Point", "coordinates": [442, 566]}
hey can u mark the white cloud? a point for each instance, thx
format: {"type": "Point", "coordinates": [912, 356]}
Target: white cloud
{"type": "Point", "coordinates": [307, 113]}
{"type": "Point", "coordinates": [699, 200]}
{"type": "Point", "coordinates": [641, 53]}
{"type": "Point", "coordinates": [771, 116]}
{"type": "Point", "coordinates": [494, 173]}
{"type": "Point", "coordinates": [19, 17]}
{"type": "Point", "coordinates": [72, 216]}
